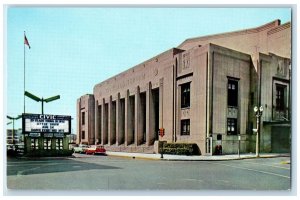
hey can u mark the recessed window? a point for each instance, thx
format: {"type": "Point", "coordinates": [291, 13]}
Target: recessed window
{"type": "Point", "coordinates": [252, 98]}
{"type": "Point", "coordinates": [83, 118]}
{"type": "Point", "coordinates": [185, 127]}
{"type": "Point", "coordinates": [185, 95]}
{"type": "Point", "coordinates": [47, 143]}
{"type": "Point", "coordinates": [232, 126]}
{"type": "Point", "coordinates": [83, 135]}
{"type": "Point", "coordinates": [34, 143]}
{"type": "Point", "coordinates": [280, 97]}
{"type": "Point", "coordinates": [59, 143]}
{"type": "Point", "coordinates": [232, 91]}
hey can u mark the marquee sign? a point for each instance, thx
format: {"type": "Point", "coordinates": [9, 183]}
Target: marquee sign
{"type": "Point", "coordinates": [36, 123]}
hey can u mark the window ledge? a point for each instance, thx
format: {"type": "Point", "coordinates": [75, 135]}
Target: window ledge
{"type": "Point", "coordinates": [186, 108]}
{"type": "Point", "coordinates": [184, 135]}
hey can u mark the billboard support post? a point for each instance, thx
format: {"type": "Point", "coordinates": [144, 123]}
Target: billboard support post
{"type": "Point", "coordinates": [32, 96]}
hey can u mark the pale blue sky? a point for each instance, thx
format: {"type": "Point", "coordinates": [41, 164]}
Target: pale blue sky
{"type": "Point", "coordinates": [72, 49]}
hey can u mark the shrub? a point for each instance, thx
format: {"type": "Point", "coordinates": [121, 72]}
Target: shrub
{"type": "Point", "coordinates": [180, 149]}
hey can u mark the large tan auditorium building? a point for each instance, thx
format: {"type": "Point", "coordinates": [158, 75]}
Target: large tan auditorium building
{"type": "Point", "coordinates": [203, 92]}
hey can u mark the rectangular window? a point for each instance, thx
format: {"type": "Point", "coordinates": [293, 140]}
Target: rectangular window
{"type": "Point", "coordinates": [252, 98]}
{"type": "Point", "coordinates": [83, 135]}
{"type": "Point", "coordinates": [47, 143]}
{"type": "Point", "coordinates": [59, 143]}
{"type": "Point", "coordinates": [34, 143]}
{"type": "Point", "coordinates": [83, 118]}
{"type": "Point", "coordinates": [185, 95]}
{"type": "Point", "coordinates": [280, 97]}
{"type": "Point", "coordinates": [185, 127]}
{"type": "Point", "coordinates": [232, 91]}
{"type": "Point", "coordinates": [231, 126]}
{"type": "Point", "coordinates": [250, 127]}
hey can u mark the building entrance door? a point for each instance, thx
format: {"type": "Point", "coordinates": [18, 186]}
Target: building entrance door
{"type": "Point", "coordinates": [280, 139]}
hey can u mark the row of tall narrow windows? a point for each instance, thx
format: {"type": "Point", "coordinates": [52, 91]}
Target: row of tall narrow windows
{"type": "Point", "coordinates": [185, 103]}
{"type": "Point", "coordinates": [47, 143]}
{"type": "Point", "coordinates": [232, 101]}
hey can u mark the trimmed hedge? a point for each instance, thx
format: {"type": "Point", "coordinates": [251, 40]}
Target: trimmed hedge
{"type": "Point", "coordinates": [49, 153]}
{"type": "Point", "coordinates": [180, 149]}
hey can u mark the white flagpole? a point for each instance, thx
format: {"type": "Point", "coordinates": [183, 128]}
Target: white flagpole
{"type": "Point", "coordinates": [24, 71]}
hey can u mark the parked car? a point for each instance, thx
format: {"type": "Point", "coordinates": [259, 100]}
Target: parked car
{"type": "Point", "coordinates": [72, 145]}
{"type": "Point", "coordinates": [90, 150]}
{"type": "Point", "coordinates": [80, 149]}
{"type": "Point", "coordinates": [99, 149]}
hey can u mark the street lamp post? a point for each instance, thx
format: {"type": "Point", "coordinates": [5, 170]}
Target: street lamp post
{"type": "Point", "coordinates": [28, 94]}
{"type": "Point", "coordinates": [258, 112]}
{"type": "Point", "coordinates": [13, 122]}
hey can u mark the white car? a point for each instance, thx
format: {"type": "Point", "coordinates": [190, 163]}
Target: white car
{"type": "Point", "coordinates": [80, 149]}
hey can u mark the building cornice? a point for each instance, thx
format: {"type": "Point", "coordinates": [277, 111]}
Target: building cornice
{"type": "Point", "coordinates": [270, 25]}
{"type": "Point", "coordinates": [280, 28]}
{"type": "Point", "coordinates": [156, 58]}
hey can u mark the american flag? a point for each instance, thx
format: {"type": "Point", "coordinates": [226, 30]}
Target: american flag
{"type": "Point", "coordinates": [26, 41]}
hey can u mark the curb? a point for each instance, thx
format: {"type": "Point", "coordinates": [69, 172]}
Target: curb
{"type": "Point", "coordinates": [134, 157]}
{"type": "Point", "coordinates": [43, 158]}
{"type": "Point", "coordinates": [167, 158]}
{"type": "Point", "coordinates": [199, 159]}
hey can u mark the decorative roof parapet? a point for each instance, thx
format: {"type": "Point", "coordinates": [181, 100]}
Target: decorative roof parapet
{"type": "Point", "coordinates": [280, 28]}
{"type": "Point", "coordinates": [270, 25]}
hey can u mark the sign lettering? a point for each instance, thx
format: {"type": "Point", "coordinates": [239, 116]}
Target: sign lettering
{"type": "Point", "coordinates": [35, 123]}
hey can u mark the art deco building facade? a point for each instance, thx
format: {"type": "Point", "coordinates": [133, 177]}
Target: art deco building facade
{"type": "Point", "coordinates": [202, 92]}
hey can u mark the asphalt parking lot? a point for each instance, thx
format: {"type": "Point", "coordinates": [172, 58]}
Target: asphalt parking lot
{"type": "Point", "coordinates": [110, 173]}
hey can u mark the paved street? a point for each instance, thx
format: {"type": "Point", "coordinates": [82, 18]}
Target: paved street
{"type": "Point", "coordinates": [104, 173]}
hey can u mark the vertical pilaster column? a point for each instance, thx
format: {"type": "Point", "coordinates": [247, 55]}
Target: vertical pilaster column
{"type": "Point", "coordinates": [100, 108]}
{"type": "Point", "coordinates": [161, 103]}
{"type": "Point", "coordinates": [118, 120]}
{"type": "Point", "coordinates": [150, 116]}
{"type": "Point", "coordinates": [40, 143]}
{"type": "Point", "coordinates": [110, 121]}
{"type": "Point", "coordinates": [113, 123]}
{"type": "Point", "coordinates": [178, 107]}
{"type": "Point", "coordinates": [96, 122]}
{"type": "Point", "coordinates": [122, 121]}
{"type": "Point", "coordinates": [127, 118]}
{"type": "Point", "coordinates": [103, 123]}
{"type": "Point", "coordinates": [137, 121]}
{"type": "Point", "coordinates": [53, 143]}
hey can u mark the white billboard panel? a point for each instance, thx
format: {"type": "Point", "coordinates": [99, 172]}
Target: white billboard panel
{"type": "Point", "coordinates": [35, 123]}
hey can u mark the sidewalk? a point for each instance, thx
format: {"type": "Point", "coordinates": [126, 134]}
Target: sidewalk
{"type": "Point", "coordinates": [171, 157]}
{"type": "Point", "coordinates": [194, 158]}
